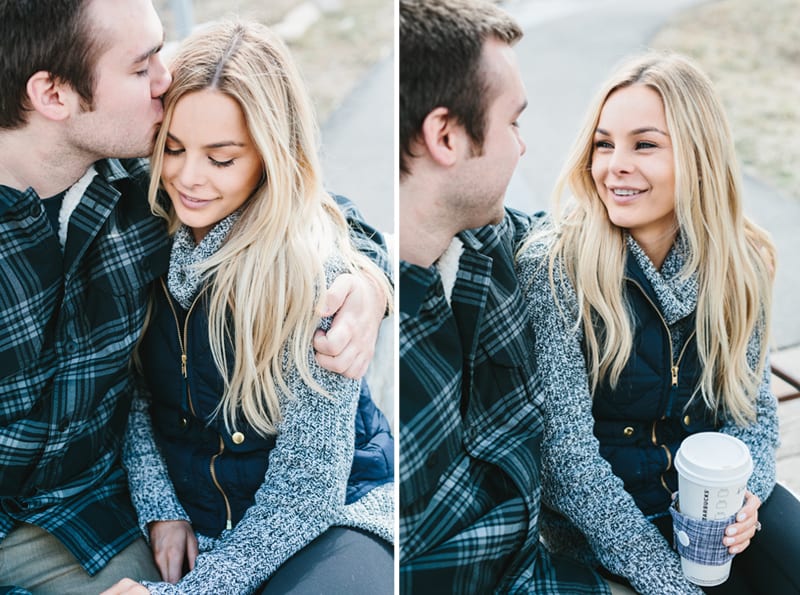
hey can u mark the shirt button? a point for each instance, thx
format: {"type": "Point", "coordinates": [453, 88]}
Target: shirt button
{"type": "Point", "coordinates": [70, 347]}
{"type": "Point", "coordinates": [628, 431]}
{"type": "Point", "coordinates": [687, 420]}
{"type": "Point", "coordinates": [183, 422]}
{"type": "Point", "coordinates": [237, 437]}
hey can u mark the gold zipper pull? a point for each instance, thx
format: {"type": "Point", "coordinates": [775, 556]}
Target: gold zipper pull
{"type": "Point", "coordinates": [674, 375]}
{"type": "Point", "coordinates": [183, 365]}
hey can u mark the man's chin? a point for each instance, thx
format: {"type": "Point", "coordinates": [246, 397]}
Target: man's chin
{"type": "Point", "coordinates": [496, 214]}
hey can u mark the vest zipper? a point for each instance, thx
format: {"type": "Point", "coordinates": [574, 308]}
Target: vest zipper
{"type": "Point", "coordinates": [228, 523]}
{"type": "Point", "coordinates": [674, 369]}
{"type": "Point", "coordinates": [674, 364]}
{"type": "Point", "coordinates": [183, 339]}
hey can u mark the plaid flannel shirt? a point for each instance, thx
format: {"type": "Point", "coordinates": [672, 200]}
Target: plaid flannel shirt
{"type": "Point", "coordinates": [68, 322]}
{"type": "Point", "coordinates": [470, 428]}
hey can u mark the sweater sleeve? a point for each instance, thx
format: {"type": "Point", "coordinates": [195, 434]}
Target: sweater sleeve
{"type": "Point", "coordinates": [302, 494]}
{"type": "Point", "coordinates": [577, 481]}
{"type": "Point", "coordinates": [762, 435]}
{"type": "Point", "coordinates": [152, 492]}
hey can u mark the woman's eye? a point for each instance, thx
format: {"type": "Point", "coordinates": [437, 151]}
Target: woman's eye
{"type": "Point", "coordinates": [603, 144]}
{"type": "Point", "coordinates": [216, 163]}
{"type": "Point", "coordinates": [168, 151]}
{"type": "Point", "coordinates": [643, 144]}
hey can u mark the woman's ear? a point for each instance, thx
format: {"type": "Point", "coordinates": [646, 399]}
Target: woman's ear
{"type": "Point", "coordinates": [51, 98]}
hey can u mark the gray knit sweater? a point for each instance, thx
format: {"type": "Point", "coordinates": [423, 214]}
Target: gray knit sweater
{"type": "Point", "coordinates": [302, 495]}
{"type": "Point", "coordinates": [577, 481]}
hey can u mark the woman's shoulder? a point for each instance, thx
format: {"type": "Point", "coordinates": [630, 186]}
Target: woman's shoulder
{"type": "Point", "coordinates": [538, 243]}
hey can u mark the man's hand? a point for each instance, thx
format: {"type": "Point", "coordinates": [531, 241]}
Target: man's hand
{"type": "Point", "coordinates": [174, 548]}
{"type": "Point", "coordinates": [357, 305]}
{"type": "Point", "coordinates": [126, 587]}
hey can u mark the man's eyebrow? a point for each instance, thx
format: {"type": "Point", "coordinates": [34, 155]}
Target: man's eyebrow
{"type": "Point", "coordinates": [151, 52]}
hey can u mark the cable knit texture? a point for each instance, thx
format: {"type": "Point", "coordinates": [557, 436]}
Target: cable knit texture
{"type": "Point", "coordinates": [604, 524]}
{"type": "Point", "coordinates": [302, 495]}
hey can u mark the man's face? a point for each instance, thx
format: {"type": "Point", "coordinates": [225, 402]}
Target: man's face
{"type": "Point", "coordinates": [484, 174]}
{"type": "Point", "coordinates": [130, 79]}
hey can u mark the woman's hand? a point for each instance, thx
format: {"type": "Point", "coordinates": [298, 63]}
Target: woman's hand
{"type": "Point", "coordinates": [738, 535]}
{"type": "Point", "coordinates": [126, 587]}
{"type": "Point", "coordinates": [174, 548]}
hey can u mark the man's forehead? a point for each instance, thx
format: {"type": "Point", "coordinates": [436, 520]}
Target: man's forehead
{"type": "Point", "coordinates": [130, 29]}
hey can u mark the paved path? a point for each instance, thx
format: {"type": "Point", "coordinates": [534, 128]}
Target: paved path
{"type": "Point", "coordinates": [358, 146]}
{"type": "Point", "coordinates": [358, 161]}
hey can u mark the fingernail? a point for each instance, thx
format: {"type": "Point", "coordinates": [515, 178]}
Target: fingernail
{"type": "Point", "coordinates": [728, 540]}
{"type": "Point", "coordinates": [742, 516]}
{"type": "Point", "coordinates": [735, 550]}
{"type": "Point", "coordinates": [731, 531]}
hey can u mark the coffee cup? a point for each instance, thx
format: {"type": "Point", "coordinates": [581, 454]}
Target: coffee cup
{"type": "Point", "coordinates": [713, 469]}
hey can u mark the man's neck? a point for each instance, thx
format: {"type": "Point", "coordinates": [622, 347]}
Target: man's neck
{"type": "Point", "coordinates": [426, 228]}
{"type": "Point", "coordinates": [36, 161]}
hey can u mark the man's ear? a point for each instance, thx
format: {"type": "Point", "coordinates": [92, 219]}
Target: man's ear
{"type": "Point", "coordinates": [51, 98]}
{"type": "Point", "coordinates": [443, 136]}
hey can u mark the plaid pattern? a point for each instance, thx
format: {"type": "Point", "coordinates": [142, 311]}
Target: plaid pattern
{"type": "Point", "coordinates": [68, 323]}
{"type": "Point", "coordinates": [700, 541]}
{"type": "Point", "coordinates": [470, 429]}
{"type": "Point", "coordinates": [365, 238]}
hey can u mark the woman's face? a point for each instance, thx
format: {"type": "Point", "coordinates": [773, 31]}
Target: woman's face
{"type": "Point", "coordinates": [633, 166]}
{"type": "Point", "coordinates": [211, 165]}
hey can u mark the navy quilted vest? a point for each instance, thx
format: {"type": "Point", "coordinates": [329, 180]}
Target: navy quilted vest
{"type": "Point", "coordinates": [641, 423]}
{"type": "Point", "coordinates": [216, 473]}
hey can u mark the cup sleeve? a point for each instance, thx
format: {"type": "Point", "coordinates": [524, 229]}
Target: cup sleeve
{"type": "Point", "coordinates": [698, 540]}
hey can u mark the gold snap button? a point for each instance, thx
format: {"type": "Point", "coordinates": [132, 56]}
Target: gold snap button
{"type": "Point", "coordinates": [628, 431]}
{"type": "Point", "coordinates": [687, 420]}
{"type": "Point", "coordinates": [237, 437]}
{"type": "Point", "coordinates": [183, 422]}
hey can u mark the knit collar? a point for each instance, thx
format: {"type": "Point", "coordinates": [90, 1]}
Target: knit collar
{"type": "Point", "coordinates": [184, 277]}
{"type": "Point", "coordinates": [677, 295]}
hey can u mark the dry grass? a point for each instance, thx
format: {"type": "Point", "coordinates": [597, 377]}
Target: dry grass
{"type": "Point", "coordinates": [334, 53]}
{"type": "Point", "coordinates": [750, 50]}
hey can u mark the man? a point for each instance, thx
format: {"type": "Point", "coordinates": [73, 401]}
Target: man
{"type": "Point", "coordinates": [470, 408]}
{"type": "Point", "coordinates": [82, 81]}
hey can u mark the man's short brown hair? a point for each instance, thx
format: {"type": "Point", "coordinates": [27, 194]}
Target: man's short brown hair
{"type": "Point", "coordinates": [54, 36]}
{"type": "Point", "coordinates": [441, 43]}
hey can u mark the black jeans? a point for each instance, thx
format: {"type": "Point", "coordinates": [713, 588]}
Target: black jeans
{"type": "Point", "coordinates": [341, 560]}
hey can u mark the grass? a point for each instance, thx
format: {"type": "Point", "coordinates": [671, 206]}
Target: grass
{"type": "Point", "coordinates": [750, 50]}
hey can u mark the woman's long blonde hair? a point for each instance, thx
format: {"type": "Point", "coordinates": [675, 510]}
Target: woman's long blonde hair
{"type": "Point", "coordinates": [268, 277]}
{"type": "Point", "coordinates": [732, 256]}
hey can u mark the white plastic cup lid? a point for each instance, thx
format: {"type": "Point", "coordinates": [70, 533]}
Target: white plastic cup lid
{"type": "Point", "coordinates": [713, 457]}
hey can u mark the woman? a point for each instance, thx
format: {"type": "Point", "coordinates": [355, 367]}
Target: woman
{"type": "Point", "coordinates": [257, 439]}
{"type": "Point", "coordinates": [650, 296]}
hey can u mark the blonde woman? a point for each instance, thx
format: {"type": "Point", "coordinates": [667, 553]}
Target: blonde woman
{"type": "Point", "coordinates": [257, 440]}
{"type": "Point", "coordinates": [650, 295]}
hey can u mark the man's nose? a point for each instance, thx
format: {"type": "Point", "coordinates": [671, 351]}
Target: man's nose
{"type": "Point", "coordinates": [160, 78]}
